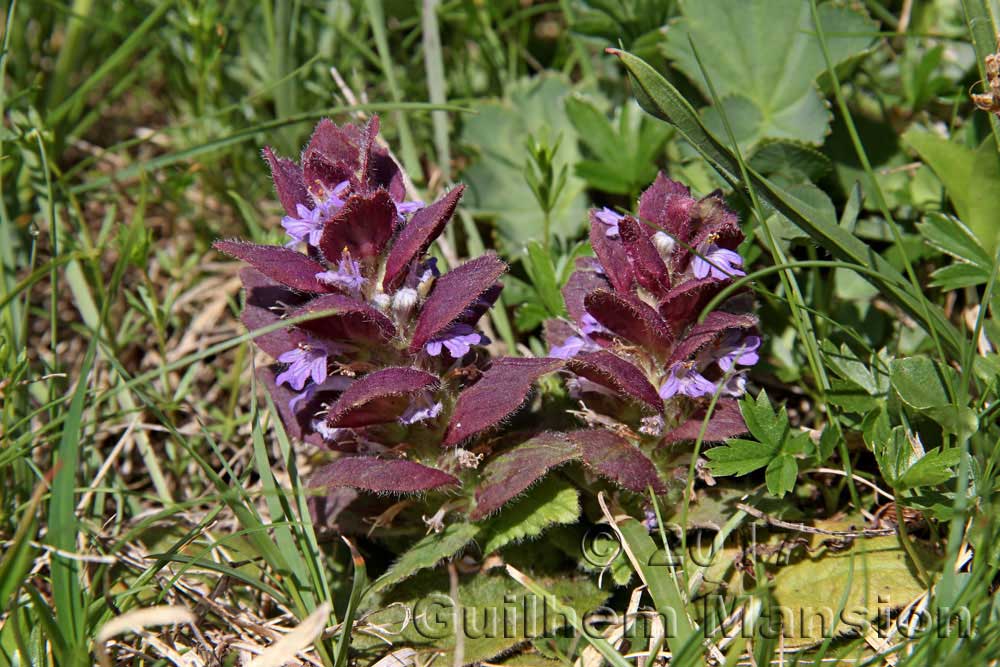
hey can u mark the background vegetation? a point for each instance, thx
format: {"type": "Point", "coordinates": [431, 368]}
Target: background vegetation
{"type": "Point", "coordinates": [139, 469]}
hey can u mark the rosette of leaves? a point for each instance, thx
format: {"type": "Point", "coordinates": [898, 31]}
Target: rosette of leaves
{"type": "Point", "coordinates": [641, 359]}
{"type": "Point", "coordinates": [383, 360]}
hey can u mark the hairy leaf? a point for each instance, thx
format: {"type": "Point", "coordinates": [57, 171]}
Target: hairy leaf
{"type": "Point", "coordinates": [417, 236]}
{"type": "Point", "coordinates": [611, 371]}
{"type": "Point", "coordinates": [427, 552]}
{"type": "Point", "coordinates": [498, 394]}
{"type": "Point", "coordinates": [288, 267]}
{"type": "Point", "coordinates": [551, 502]}
{"type": "Point", "coordinates": [453, 293]}
{"type": "Point", "coordinates": [508, 475]}
{"type": "Point", "coordinates": [369, 473]}
{"type": "Point", "coordinates": [613, 457]}
{"type": "Point", "coordinates": [379, 397]}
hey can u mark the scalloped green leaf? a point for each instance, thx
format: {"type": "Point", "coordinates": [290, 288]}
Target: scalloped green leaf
{"type": "Point", "coordinates": [765, 52]}
{"type": "Point", "coordinates": [552, 501]}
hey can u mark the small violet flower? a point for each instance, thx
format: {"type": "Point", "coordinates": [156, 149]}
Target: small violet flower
{"type": "Point", "coordinates": [735, 350]}
{"type": "Point", "coordinates": [685, 379]}
{"type": "Point", "coordinates": [458, 339]}
{"type": "Point", "coordinates": [307, 361]}
{"type": "Point", "coordinates": [348, 275]}
{"type": "Point", "coordinates": [611, 219]}
{"type": "Point", "coordinates": [308, 226]}
{"type": "Point", "coordinates": [421, 410]}
{"type": "Point", "coordinates": [719, 262]}
{"type": "Point", "coordinates": [404, 207]}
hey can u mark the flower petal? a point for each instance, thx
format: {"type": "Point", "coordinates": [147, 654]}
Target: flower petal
{"type": "Point", "coordinates": [417, 236]}
{"type": "Point", "coordinates": [497, 395]}
{"type": "Point", "coordinates": [288, 267]}
{"type": "Point", "coordinates": [452, 294]}
{"type": "Point", "coordinates": [379, 397]}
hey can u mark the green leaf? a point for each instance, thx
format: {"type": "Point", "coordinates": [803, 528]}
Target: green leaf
{"type": "Point", "coordinates": [780, 474]}
{"type": "Point", "coordinates": [497, 187]}
{"type": "Point", "coordinates": [739, 457]}
{"type": "Point", "coordinates": [952, 237]}
{"type": "Point", "coordinates": [971, 178]}
{"type": "Point", "coordinates": [931, 469]}
{"type": "Point", "coordinates": [874, 573]}
{"type": "Point", "coordinates": [922, 382]}
{"type": "Point", "coordinates": [768, 426]}
{"type": "Point", "coordinates": [542, 272]}
{"type": "Point", "coordinates": [497, 612]}
{"type": "Point", "coordinates": [660, 98]}
{"type": "Point", "coordinates": [427, 552]}
{"type": "Point", "coordinates": [959, 276]}
{"type": "Point", "coordinates": [765, 51]}
{"type": "Point", "coordinates": [552, 501]}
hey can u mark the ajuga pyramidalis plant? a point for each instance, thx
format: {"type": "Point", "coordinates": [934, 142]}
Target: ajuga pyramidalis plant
{"type": "Point", "coordinates": [392, 373]}
{"type": "Point", "coordinates": [643, 366]}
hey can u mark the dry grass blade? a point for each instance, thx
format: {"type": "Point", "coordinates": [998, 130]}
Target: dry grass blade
{"type": "Point", "coordinates": [136, 621]}
{"type": "Point", "coordinates": [404, 657]}
{"type": "Point", "coordinates": [304, 634]}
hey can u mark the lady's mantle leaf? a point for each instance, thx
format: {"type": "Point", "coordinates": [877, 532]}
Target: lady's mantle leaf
{"type": "Point", "coordinates": [766, 52]}
{"type": "Point", "coordinates": [369, 473]}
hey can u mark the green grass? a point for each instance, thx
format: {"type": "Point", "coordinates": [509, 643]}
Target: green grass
{"type": "Point", "coordinates": [140, 465]}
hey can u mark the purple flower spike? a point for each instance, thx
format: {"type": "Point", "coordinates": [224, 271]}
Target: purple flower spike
{"type": "Point", "coordinates": [684, 379]}
{"type": "Point", "coordinates": [611, 219]}
{"type": "Point", "coordinates": [421, 410]}
{"type": "Point", "coordinates": [347, 275]}
{"type": "Point", "coordinates": [304, 362]}
{"type": "Point", "coordinates": [458, 339]}
{"type": "Point", "coordinates": [736, 351]}
{"type": "Point", "coordinates": [719, 262]}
